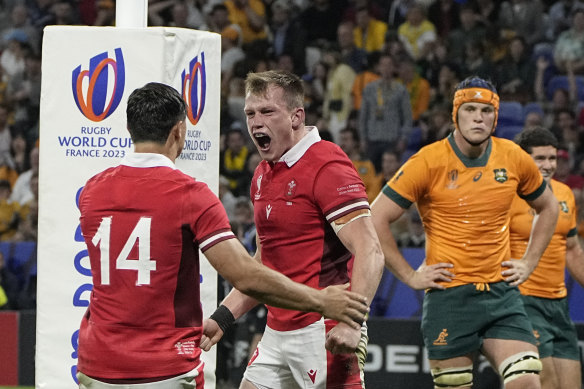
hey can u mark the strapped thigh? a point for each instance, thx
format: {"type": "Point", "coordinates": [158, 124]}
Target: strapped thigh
{"type": "Point", "coordinates": [520, 364]}
{"type": "Point", "coordinates": [452, 377]}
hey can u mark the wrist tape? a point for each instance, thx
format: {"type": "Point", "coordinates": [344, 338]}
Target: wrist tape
{"type": "Point", "coordinates": [223, 317]}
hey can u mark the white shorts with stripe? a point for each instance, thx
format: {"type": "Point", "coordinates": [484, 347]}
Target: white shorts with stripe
{"type": "Point", "coordinates": [298, 359]}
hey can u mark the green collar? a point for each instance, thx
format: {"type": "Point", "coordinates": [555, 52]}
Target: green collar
{"type": "Point", "coordinates": [471, 162]}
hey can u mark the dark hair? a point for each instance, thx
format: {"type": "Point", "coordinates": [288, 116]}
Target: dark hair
{"type": "Point", "coordinates": [218, 7]}
{"type": "Point", "coordinates": [258, 83]}
{"type": "Point", "coordinates": [476, 82]}
{"type": "Point", "coordinates": [232, 131]}
{"type": "Point", "coordinates": [536, 137]}
{"type": "Point", "coordinates": [354, 133]}
{"type": "Point", "coordinates": [558, 111]}
{"type": "Point", "coordinates": [153, 111]}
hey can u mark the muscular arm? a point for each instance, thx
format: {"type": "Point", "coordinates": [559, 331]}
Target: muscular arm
{"type": "Point", "coordinates": [231, 260]}
{"type": "Point", "coordinates": [544, 224]}
{"type": "Point", "coordinates": [385, 211]}
{"type": "Point", "coordinates": [575, 259]}
{"type": "Point", "coordinates": [254, 282]}
{"type": "Point", "coordinates": [359, 237]}
{"type": "Point", "coordinates": [237, 302]}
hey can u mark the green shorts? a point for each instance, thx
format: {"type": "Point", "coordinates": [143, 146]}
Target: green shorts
{"type": "Point", "coordinates": [456, 320]}
{"type": "Point", "coordinates": [554, 330]}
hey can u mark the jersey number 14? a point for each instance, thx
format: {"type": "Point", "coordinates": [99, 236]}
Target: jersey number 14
{"type": "Point", "coordinates": [140, 234]}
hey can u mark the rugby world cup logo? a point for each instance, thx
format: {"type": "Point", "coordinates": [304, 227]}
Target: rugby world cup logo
{"type": "Point", "coordinates": [194, 88]}
{"type": "Point", "coordinates": [102, 93]}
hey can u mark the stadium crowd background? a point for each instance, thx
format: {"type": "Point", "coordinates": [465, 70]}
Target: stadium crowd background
{"type": "Point", "coordinates": [533, 50]}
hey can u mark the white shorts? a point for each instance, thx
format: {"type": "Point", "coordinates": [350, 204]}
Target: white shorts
{"type": "Point", "coordinates": [189, 380]}
{"type": "Point", "coordinates": [298, 359]}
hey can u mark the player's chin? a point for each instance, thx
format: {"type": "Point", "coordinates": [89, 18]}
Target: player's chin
{"type": "Point", "coordinates": [269, 155]}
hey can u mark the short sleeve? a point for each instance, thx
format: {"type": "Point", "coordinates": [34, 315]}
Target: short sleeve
{"type": "Point", "coordinates": [531, 183]}
{"type": "Point", "coordinates": [410, 182]}
{"type": "Point", "coordinates": [210, 223]}
{"type": "Point", "coordinates": [339, 190]}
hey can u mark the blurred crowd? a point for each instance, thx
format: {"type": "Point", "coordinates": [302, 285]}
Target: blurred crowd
{"type": "Point", "coordinates": [379, 78]}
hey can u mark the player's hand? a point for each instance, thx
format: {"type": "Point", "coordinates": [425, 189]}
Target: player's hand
{"type": "Point", "coordinates": [211, 334]}
{"type": "Point", "coordinates": [344, 306]}
{"type": "Point", "coordinates": [342, 339]}
{"type": "Point", "coordinates": [428, 276]}
{"type": "Point", "coordinates": [517, 271]}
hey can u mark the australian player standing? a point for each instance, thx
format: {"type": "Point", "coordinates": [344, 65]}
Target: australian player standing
{"type": "Point", "coordinates": [463, 187]}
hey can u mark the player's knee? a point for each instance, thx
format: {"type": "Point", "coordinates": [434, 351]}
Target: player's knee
{"type": "Point", "coordinates": [519, 365]}
{"type": "Point", "coordinates": [453, 377]}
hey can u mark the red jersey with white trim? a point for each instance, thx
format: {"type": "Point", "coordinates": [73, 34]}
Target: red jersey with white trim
{"type": "Point", "coordinates": [144, 222]}
{"type": "Point", "coordinates": [295, 199]}
{"type": "Point", "coordinates": [548, 278]}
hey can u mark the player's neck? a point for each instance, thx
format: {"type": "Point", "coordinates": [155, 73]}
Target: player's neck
{"type": "Point", "coordinates": [469, 149]}
{"type": "Point", "coordinates": [154, 148]}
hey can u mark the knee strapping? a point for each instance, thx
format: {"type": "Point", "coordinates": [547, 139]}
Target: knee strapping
{"type": "Point", "coordinates": [453, 377]}
{"type": "Point", "coordinates": [519, 365]}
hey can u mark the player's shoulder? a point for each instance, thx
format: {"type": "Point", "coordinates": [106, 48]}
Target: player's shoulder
{"type": "Point", "coordinates": [324, 151]}
{"type": "Point", "coordinates": [509, 151]}
{"type": "Point", "coordinates": [434, 151]}
{"type": "Point", "coordinates": [505, 146]}
{"type": "Point", "coordinates": [561, 190]}
{"type": "Point", "coordinates": [103, 175]}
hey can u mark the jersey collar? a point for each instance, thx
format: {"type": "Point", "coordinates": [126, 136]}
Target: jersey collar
{"type": "Point", "coordinates": [471, 162]}
{"type": "Point", "coordinates": [295, 153]}
{"type": "Point", "coordinates": [145, 160]}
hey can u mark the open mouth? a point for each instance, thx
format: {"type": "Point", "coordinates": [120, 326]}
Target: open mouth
{"type": "Point", "coordinates": [263, 141]}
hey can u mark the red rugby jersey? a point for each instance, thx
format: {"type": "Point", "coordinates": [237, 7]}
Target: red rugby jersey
{"type": "Point", "coordinates": [295, 199]}
{"type": "Point", "coordinates": [144, 222]}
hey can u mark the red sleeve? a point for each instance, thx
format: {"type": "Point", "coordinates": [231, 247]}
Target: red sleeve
{"type": "Point", "coordinates": [210, 223]}
{"type": "Point", "coordinates": [339, 190]}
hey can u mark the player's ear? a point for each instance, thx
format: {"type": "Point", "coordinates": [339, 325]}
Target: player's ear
{"type": "Point", "coordinates": [298, 117]}
{"type": "Point", "coordinates": [175, 132]}
{"type": "Point", "coordinates": [174, 136]}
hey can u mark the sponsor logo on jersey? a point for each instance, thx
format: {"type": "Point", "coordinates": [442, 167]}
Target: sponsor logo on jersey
{"type": "Point", "coordinates": [268, 210]}
{"type": "Point", "coordinates": [312, 375]}
{"type": "Point", "coordinates": [101, 88]}
{"type": "Point", "coordinates": [441, 339]}
{"type": "Point", "coordinates": [477, 176]}
{"type": "Point", "coordinates": [194, 88]}
{"type": "Point", "coordinates": [500, 175]}
{"type": "Point", "coordinates": [564, 207]}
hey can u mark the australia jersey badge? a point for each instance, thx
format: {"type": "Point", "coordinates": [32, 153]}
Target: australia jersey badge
{"type": "Point", "coordinates": [500, 175]}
